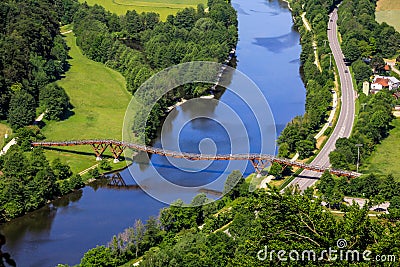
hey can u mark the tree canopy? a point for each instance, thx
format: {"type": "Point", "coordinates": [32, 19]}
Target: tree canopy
{"type": "Point", "coordinates": [33, 55]}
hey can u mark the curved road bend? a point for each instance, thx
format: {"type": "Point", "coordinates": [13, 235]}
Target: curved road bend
{"type": "Point", "coordinates": [345, 121]}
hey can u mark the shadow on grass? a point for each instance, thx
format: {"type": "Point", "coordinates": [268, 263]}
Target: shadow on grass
{"type": "Point", "coordinates": [121, 158]}
{"type": "Point", "coordinates": [78, 152]}
{"type": "Point", "coordinates": [306, 177]}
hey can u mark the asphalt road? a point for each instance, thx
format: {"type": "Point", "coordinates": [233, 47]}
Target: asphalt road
{"type": "Point", "coordinates": [345, 121]}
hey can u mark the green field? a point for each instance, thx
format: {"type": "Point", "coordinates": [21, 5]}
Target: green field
{"type": "Point", "coordinates": [391, 17]}
{"type": "Point", "coordinates": [388, 11]}
{"type": "Point", "coordinates": [385, 159]}
{"type": "Point", "coordinates": [99, 97]}
{"type": "Point", "coordinates": [4, 129]}
{"type": "Point", "coordinates": [163, 7]}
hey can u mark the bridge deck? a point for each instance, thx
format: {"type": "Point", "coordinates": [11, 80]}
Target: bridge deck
{"type": "Point", "coordinates": [255, 158]}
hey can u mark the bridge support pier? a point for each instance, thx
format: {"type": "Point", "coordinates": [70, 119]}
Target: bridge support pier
{"type": "Point", "coordinates": [99, 150]}
{"type": "Point", "coordinates": [259, 165]}
{"type": "Point", "coordinates": [117, 180]}
{"type": "Point", "coordinates": [116, 151]}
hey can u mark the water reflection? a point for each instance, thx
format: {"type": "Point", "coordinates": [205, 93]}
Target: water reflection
{"type": "Point", "coordinates": [277, 44]}
{"type": "Point", "coordinates": [5, 257]}
{"type": "Point", "coordinates": [239, 10]}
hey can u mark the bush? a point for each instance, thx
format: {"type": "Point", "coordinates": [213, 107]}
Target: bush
{"type": "Point", "coordinates": [64, 187]}
{"type": "Point", "coordinates": [94, 173]}
{"type": "Point", "coordinates": [328, 131]}
{"type": "Point", "coordinates": [105, 165]}
{"type": "Point", "coordinates": [76, 182]}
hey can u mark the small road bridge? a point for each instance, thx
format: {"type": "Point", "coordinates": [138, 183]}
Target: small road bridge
{"type": "Point", "coordinates": [259, 161]}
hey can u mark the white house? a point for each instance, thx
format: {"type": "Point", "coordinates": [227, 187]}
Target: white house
{"type": "Point", "coordinates": [381, 82]}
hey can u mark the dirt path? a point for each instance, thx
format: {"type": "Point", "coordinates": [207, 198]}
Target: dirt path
{"type": "Point", "coordinates": [314, 43]}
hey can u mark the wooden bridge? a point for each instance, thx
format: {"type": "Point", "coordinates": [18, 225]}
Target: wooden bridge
{"type": "Point", "coordinates": [259, 161]}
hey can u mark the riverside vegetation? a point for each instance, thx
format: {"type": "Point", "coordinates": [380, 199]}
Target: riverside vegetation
{"type": "Point", "coordinates": [232, 230]}
{"type": "Point", "coordinates": [34, 55]}
{"type": "Point", "coordinates": [298, 135]}
{"type": "Point", "coordinates": [139, 45]}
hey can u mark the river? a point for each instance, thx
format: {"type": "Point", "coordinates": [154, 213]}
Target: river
{"type": "Point", "coordinates": [268, 52]}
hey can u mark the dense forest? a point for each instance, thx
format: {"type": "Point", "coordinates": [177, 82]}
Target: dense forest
{"type": "Point", "coordinates": [33, 55]}
{"type": "Point", "coordinates": [233, 230]}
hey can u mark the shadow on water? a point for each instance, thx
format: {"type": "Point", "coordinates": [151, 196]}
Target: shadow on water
{"type": "Point", "coordinates": [38, 221]}
{"type": "Point", "coordinates": [5, 256]}
{"type": "Point", "coordinates": [277, 44]}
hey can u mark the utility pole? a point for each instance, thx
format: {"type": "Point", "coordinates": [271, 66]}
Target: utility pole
{"type": "Point", "coordinates": [363, 105]}
{"type": "Point", "coordinates": [358, 154]}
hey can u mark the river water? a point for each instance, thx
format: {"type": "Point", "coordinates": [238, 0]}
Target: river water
{"type": "Point", "coordinates": [268, 53]}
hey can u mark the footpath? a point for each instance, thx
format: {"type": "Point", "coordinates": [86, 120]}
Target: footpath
{"type": "Point", "coordinates": [14, 140]}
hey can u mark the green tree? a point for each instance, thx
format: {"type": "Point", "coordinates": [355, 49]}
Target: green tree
{"type": "Point", "coordinates": [99, 257]}
{"type": "Point", "coordinates": [362, 71]}
{"type": "Point", "coordinates": [55, 101]}
{"type": "Point", "coordinates": [133, 22]}
{"type": "Point", "coordinates": [76, 181]}
{"type": "Point", "coordinates": [326, 183]}
{"type": "Point", "coordinates": [22, 109]}
{"type": "Point", "coordinates": [232, 184]}
{"type": "Point", "coordinates": [394, 208]}
{"type": "Point", "coordinates": [351, 50]}
{"type": "Point", "coordinates": [305, 148]}
{"type": "Point", "coordinates": [377, 63]}
{"type": "Point", "coordinates": [61, 170]}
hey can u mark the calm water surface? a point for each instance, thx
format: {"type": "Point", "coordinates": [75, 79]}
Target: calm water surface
{"type": "Point", "coordinates": [268, 52]}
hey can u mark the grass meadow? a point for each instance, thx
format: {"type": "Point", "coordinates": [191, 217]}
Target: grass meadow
{"type": "Point", "coordinates": [385, 159]}
{"type": "Point", "coordinates": [162, 7]}
{"type": "Point", "coordinates": [99, 98]}
{"type": "Point", "coordinates": [388, 11]}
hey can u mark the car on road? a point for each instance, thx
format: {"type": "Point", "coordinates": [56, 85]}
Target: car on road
{"type": "Point", "coordinates": [379, 209]}
{"type": "Point", "coordinates": [346, 71]}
